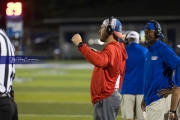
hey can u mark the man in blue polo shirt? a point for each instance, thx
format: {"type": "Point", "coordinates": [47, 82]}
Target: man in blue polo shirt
{"type": "Point", "coordinates": [132, 87]}
{"type": "Point", "coordinates": [160, 62]}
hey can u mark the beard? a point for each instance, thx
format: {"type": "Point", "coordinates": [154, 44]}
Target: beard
{"type": "Point", "coordinates": [103, 37]}
{"type": "Point", "coordinates": [150, 40]}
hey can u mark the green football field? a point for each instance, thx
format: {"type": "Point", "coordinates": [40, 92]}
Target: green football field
{"type": "Point", "coordinates": [53, 94]}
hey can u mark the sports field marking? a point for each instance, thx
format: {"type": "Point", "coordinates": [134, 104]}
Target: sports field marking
{"type": "Point", "coordinates": [22, 79]}
{"type": "Point", "coordinates": [45, 115]}
{"type": "Point", "coordinates": [56, 92]}
{"type": "Point", "coordinates": [49, 72]}
{"type": "Point", "coordinates": [58, 65]}
{"type": "Point", "coordinates": [54, 102]}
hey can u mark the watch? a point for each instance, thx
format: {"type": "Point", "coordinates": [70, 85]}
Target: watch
{"type": "Point", "coordinates": [80, 44]}
{"type": "Point", "coordinates": [173, 111]}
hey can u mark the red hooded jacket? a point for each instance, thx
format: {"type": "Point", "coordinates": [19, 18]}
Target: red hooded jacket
{"type": "Point", "coordinates": [108, 65]}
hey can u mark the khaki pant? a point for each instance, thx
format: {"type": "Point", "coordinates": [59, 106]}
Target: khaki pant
{"type": "Point", "coordinates": [131, 107]}
{"type": "Point", "coordinates": [157, 109]}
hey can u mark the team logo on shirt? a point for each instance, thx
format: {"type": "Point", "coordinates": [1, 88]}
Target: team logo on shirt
{"type": "Point", "coordinates": [154, 57]}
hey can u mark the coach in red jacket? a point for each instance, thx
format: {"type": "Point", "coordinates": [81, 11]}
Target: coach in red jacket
{"type": "Point", "coordinates": [109, 67]}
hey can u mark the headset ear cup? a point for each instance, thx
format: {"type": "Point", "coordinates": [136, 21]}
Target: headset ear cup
{"type": "Point", "coordinates": [109, 30]}
{"type": "Point", "coordinates": [157, 32]}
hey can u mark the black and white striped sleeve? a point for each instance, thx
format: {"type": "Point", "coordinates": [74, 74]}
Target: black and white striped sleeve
{"type": "Point", "coordinates": [7, 70]}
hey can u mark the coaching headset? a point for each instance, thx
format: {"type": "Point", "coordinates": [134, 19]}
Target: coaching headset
{"type": "Point", "coordinates": [109, 29]}
{"type": "Point", "coordinates": [157, 26]}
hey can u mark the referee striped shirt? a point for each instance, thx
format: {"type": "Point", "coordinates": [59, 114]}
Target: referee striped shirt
{"type": "Point", "coordinates": [7, 70]}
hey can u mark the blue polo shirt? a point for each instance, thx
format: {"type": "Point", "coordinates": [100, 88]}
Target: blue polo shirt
{"type": "Point", "coordinates": [176, 79]}
{"type": "Point", "coordinates": [161, 60]}
{"type": "Point", "coordinates": [133, 79]}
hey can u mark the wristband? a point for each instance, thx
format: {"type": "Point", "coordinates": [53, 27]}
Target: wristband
{"type": "Point", "coordinates": [80, 44]}
{"type": "Point", "coordinates": [173, 111]}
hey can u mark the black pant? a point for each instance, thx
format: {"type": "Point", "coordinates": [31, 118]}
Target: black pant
{"type": "Point", "coordinates": [8, 109]}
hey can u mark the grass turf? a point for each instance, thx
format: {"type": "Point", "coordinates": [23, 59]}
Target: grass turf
{"type": "Point", "coordinates": [53, 94]}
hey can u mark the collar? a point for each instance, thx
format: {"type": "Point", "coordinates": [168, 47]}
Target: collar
{"type": "Point", "coordinates": [155, 46]}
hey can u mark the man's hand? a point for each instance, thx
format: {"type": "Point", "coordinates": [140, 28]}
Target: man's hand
{"type": "Point", "coordinates": [76, 39]}
{"type": "Point", "coordinates": [143, 105]}
{"type": "Point", "coordinates": [172, 116]}
{"type": "Point", "coordinates": [164, 92]}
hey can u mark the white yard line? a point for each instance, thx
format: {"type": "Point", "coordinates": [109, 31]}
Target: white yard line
{"type": "Point", "coordinates": [57, 65]}
{"type": "Point", "coordinates": [45, 115]}
{"type": "Point", "coordinates": [54, 102]}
